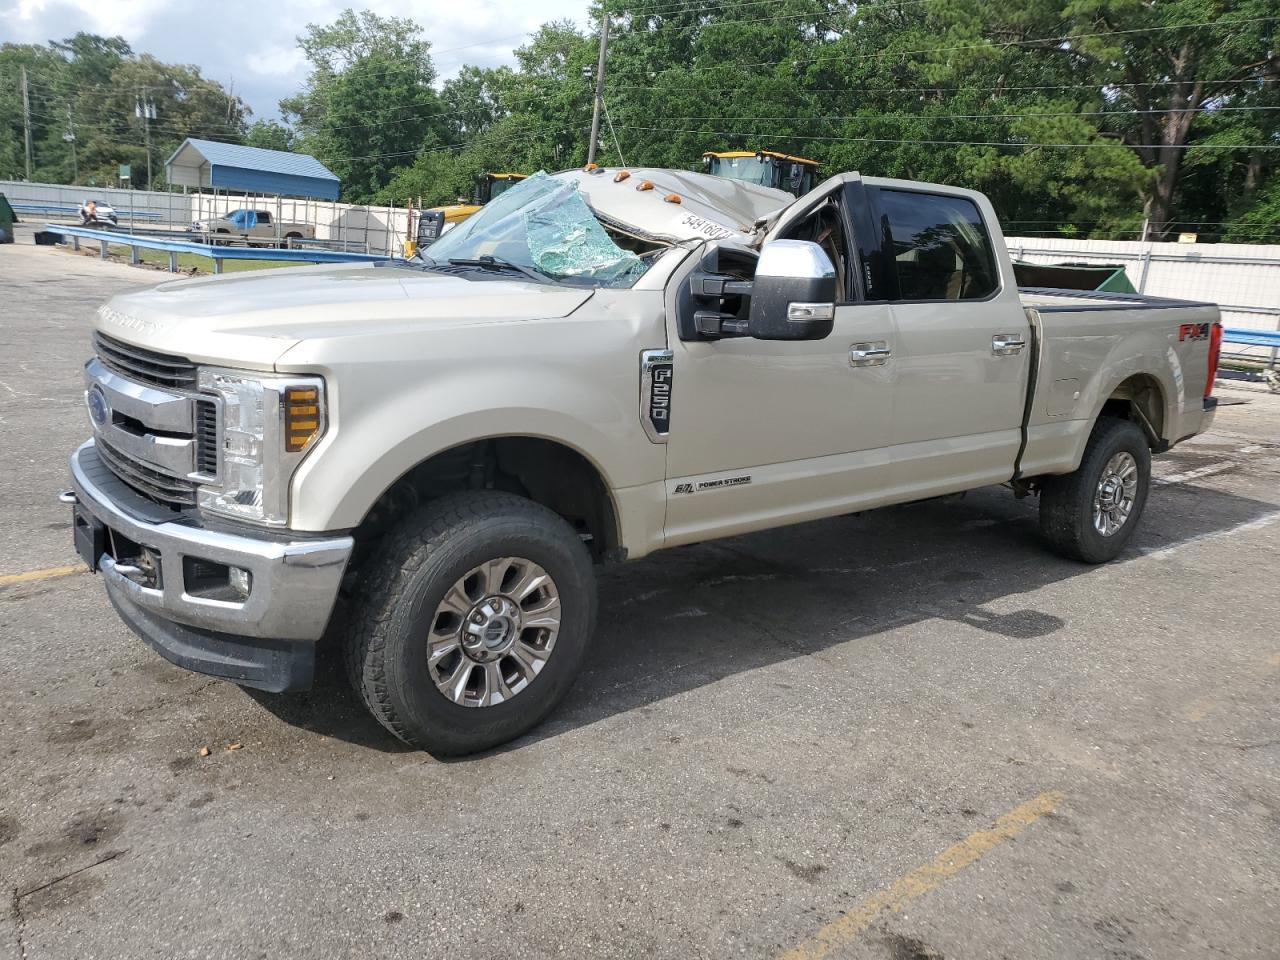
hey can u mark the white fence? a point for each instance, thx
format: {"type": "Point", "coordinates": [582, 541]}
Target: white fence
{"type": "Point", "coordinates": [365, 228]}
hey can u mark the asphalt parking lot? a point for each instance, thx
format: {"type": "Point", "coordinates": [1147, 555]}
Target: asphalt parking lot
{"type": "Point", "coordinates": [911, 734]}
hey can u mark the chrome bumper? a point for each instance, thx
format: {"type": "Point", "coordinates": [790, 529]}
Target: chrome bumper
{"type": "Point", "coordinates": [294, 583]}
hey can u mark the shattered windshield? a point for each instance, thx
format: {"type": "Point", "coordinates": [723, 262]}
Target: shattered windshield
{"type": "Point", "coordinates": [541, 225]}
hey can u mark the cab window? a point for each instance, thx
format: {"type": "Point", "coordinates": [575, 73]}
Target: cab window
{"type": "Point", "coordinates": [825, 227]}
{"type": "Point", "coordinates": [941, 248]}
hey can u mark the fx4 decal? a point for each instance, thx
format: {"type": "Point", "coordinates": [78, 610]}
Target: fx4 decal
{"type": "Point", "coordinates": [1194, 331]}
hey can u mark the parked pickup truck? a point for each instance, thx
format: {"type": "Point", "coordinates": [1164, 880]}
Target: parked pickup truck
{"type": "Point", "coordinates": [253, 225]}
{"type": "Point", "coordinates": [424, 459]}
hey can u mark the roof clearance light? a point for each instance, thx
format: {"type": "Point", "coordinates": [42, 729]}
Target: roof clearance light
{"type": "Point", "coordinates": [590, 166]}
{"type": "Point", "coordinates": [645, 185]}
{"type": "Point", "coordinates": [620, 176]}
{"type": "Point", "coordinates": [672, 198]}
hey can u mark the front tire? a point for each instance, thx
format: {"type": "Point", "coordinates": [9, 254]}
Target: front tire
{"type": "Point", "coordinates": [1091, 514]}
{"type": "Point", "coordinates": [472, 622]}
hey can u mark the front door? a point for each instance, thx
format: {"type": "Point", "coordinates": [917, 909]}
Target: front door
{"type": "Point", "coordinates": [771, 432]}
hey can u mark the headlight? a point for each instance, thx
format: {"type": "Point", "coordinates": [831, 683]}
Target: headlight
{"type": "Point", "coordinates": [268, 425]}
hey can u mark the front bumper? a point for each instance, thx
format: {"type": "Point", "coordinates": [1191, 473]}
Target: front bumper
{"type": "Point", "coordinates": [266, 640]}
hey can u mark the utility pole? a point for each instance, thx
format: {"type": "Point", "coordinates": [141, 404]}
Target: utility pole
{"type": "Point", "coordinates": [599, 100]}
{"type": "Point", "coordinates": [26, 119]}
{"type": "Point", "coordinates": [146, 109]}
{"type": "Point", "coordinates": [70, 137]}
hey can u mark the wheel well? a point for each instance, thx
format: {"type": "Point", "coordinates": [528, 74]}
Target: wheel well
{"type": "Point", "coordinates": [1141, 400]}
{"type": "Point", "coordinates": [545, 471]}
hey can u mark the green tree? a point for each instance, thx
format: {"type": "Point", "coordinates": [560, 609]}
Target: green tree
{"type": "Point", "coordinates": [368, 105]}
{"type": "Point", "coordinates": [269, 135]}
{"type": "Point", "coordinates": [92, 88]}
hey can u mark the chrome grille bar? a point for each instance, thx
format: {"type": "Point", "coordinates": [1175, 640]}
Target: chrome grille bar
{"type": "Point", "coordinates": [145, 366]}
{"type": "Point", "coordinates": [150, 483]}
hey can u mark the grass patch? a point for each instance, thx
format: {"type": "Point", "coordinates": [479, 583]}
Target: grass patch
{"type": "Point", "coordinates": [190, 262]}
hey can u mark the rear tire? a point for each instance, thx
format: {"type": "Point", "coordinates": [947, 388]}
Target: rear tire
{"type": "Point", "coordinates": [1091, 515]}
{"type": "Point", "coordinates": [474, 553]}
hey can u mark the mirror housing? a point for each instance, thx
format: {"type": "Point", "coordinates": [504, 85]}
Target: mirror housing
{"type": "Point", "coordinates": [794, 292]}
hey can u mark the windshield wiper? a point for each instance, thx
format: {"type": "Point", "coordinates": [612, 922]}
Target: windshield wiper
{"type": "Point", "coordinates": [493, 263]}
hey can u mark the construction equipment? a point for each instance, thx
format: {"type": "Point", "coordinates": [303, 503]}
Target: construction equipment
{"type": "Point", "coordinates": [434, 221]}
{"type": "Point", "coordinates": [769, 168]}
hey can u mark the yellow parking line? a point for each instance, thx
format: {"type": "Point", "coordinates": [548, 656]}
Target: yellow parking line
{"type": "Point", "coordinates": [924, 878]}
{"type": "Point", "coordinates": [49, 574]}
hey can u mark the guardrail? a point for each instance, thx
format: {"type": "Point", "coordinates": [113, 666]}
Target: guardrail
{"type": "Point", "coordinates": [62, 209]}
{"type": "Point", "coordinates": [1252, 338]}
{"type": "Point", "coordinates": [217, 254]}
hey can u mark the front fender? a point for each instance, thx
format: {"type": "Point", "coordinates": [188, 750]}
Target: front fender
{"type": "Point", "coordinates": [395, 401]}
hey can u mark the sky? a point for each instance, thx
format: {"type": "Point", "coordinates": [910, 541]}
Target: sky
{"type": "Point", "coordinates": [251, 45]}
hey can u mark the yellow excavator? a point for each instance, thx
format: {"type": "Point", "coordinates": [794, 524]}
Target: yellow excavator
{"type": "Point", "coordinates": [434, 221]}
{"type": "Point", "coordinates": [769, 168]}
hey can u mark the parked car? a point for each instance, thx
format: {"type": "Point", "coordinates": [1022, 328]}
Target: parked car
{"type": "Point", "coordinates": [253, 225]}
{"type": "Point", "coordinates": [96, 213]}
{"type": "Point", "coordinates": [598, 365]}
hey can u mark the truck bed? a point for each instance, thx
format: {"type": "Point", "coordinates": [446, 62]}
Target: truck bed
{"type": "Point", "coordinates": [1057, 299]}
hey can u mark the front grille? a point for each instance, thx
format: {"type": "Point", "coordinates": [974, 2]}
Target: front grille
{"type": "Point", "coordinates": [151, 483]}
{"type": "Point", "coordinates": [207, 438]}
{"type": "Point", "coordinates": [145, 366]}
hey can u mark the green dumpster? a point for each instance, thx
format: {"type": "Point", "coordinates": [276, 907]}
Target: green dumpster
{"type": "Point", "coordinates": [7, 219]}
{"type": "Point", "coordinates": [1109, 278]}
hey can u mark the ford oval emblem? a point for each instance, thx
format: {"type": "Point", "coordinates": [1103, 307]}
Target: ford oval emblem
{"type": "Point", "coordinates": [99, 411]}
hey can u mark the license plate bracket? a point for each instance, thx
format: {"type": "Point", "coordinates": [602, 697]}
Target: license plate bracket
{"type": "Point", "coordinates": [90, 537]}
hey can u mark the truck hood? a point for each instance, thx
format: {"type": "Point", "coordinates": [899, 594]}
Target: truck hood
{"type": "Point", "coordinates": [251, 319]}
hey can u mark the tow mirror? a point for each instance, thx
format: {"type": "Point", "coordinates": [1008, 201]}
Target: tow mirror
{"type": "Point", "coordinates": [794, 292]}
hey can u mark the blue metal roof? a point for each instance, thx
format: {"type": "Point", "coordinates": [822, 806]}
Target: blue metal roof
{"type": "Point", "coordinates": [255, 170]}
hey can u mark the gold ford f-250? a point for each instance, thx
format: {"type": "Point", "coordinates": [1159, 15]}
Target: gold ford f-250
{"type": "Point", "coordinates": [597, 365]}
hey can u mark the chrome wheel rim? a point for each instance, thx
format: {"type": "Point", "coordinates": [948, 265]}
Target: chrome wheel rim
{"type": "Point", "coordinates": [1116, 493]}
{"type": "Point", "coordinates": [493, 632]}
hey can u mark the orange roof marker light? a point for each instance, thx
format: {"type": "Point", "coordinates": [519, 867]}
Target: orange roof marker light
{"type": "Point", "coordinates": [590, 166]}
{"type": "Point", "coordinates": [672, 198]}
{"type": "Point", "coordinates": [621, 175]}
{"type": "Point", "coordinates": [645, 185]}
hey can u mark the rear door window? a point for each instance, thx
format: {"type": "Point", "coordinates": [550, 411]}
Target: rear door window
{"type": "Point", "coordinates": [941, 248]}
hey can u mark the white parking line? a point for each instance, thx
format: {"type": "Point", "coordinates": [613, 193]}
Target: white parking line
{"type": "Point", "coordinates": [1206, 471]}
{"type": "Point", "coordinates": [1258, 523]}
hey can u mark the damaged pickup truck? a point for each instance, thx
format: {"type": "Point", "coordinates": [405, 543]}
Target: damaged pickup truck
{"type": "Point", "coordinates": [424, 460]}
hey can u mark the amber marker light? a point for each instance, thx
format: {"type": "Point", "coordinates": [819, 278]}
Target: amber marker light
{"type": "Point", "coordinates": [645, 185]}
{"type": "Point", "coordinates": [301, 417]}
{"type": "Point", "coordinates": [620, 176]}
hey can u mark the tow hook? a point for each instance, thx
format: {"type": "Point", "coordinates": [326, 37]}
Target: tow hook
{"type": "Point", "coordinates": [68, 496]}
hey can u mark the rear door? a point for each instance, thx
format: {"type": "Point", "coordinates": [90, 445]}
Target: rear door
{"type": "Point", "coordinates": [963, 350]}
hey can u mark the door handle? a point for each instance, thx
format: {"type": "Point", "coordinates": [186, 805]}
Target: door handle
{"type": "Point", "coordinates": [1006, 344]}
{"type": "Point", "coordinates": [869, 354]}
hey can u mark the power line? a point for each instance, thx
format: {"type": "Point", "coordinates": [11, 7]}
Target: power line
{"type": "Point", "coordinates": [955, 143]}
{"type": "Point", "coordinates": [913, 117]}
{"type": "Point", "coordinates": [987, 44]}
{"type": "Point", "coordinates": [854, 88]}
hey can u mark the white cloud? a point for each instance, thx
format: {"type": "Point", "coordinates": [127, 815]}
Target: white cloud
{"type": "Point", "coordinates": [253, 42]}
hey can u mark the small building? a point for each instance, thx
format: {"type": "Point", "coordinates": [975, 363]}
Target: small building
{"type": "Point", "coordinates": [208, 164]}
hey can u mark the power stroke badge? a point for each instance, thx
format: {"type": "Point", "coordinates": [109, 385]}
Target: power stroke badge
{"type": "Point", "coordinates": [717, 484]}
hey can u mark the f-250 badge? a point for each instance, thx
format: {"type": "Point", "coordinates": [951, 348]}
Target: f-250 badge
{"type": "Point", "coordinates": [657, 375]}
